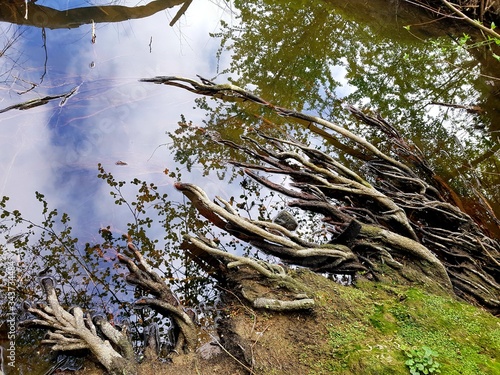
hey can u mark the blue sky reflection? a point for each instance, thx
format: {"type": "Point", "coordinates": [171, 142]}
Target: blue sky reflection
{"type": "Point", "coordinates": [113, 117]}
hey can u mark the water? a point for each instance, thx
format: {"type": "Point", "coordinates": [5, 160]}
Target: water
{"type": "Point", "coordinates": [113, 118]}
{"type": "Point", "coordinates": [316, 57]}
{"type": "Point", "coordinates": [108, 120]}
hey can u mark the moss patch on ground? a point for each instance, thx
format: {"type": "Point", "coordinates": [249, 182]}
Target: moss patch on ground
{"type": "Point", "coordinates": [371, 327]}
{"type": "Point", "coordinates": [363, 329]}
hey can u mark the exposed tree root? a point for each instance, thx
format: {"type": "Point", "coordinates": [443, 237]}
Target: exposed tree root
{"type": "Point", "coordinates": [393, 210]}
{"type": "Point", "coordinates": [165, 302]}
{"type": "Point", "coordinates": [69, 331]}
{"type": "Point", "coordinates": [75, 330]}
{"type": "Point", "coordinates": [273, 273]}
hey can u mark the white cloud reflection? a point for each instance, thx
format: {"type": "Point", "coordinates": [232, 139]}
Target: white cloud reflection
{"type": "Point", "coordinates": [113, 117]}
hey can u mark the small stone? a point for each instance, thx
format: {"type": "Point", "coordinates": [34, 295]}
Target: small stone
{"type": "Point", "coordinates": [286, 220]}
{"type": "Point", "coordinates": [209, 350]}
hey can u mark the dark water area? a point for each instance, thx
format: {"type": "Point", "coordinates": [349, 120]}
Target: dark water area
{"type": "Point", "coordinates": [71, 99]}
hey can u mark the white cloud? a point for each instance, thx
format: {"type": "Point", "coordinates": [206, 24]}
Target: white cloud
{"type": "Point", "coordinates": [55, 150]}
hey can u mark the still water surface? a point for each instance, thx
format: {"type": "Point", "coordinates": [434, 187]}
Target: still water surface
{"type": "Point", "coordinates": [55, 148]}
{"type": "Point", "coordinates": [311, 56]}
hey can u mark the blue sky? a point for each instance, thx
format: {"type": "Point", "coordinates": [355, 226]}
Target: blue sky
{"type": "Point", "coordinates": [55, 149]}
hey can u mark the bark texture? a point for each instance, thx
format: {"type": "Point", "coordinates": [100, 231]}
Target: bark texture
{"type": "Point", "coordinates": [392, 211]}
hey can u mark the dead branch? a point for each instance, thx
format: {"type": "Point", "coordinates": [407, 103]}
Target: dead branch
{"type": "Point", "coordinates": [279, 305]}
{"type": "Point", "coordinates": [180, 12]}
{"type": "Point", "coordinates": [45, 16]}
{"type": "Point", "coordinates": [470, 21]}
{"type": "Point", "coordinates": [41, 101]}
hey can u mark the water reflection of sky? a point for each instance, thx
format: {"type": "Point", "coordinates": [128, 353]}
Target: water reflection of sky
{"type": "Point", "coordinates": [113, 117]}
{"type": "Point", "coordinates": [55, 149]}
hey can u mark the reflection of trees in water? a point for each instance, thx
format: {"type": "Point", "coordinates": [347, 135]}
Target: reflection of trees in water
{"type": "Point", "coordinates": [308, 50]}
{"type": "Point", "coordinates": [14, 75]}
{"type": "Point", "coordinates": [47, 17]}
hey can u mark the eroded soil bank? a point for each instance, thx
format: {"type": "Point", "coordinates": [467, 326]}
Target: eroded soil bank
{"type": "Point", "coordinates": [366, 328]}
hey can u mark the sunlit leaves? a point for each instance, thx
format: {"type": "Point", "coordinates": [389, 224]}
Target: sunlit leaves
{"type": "Point", "coordinates": [294, 55]}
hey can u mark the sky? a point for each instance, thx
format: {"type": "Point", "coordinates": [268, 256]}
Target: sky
{"type": "Point", "coordinates": [54, 149]}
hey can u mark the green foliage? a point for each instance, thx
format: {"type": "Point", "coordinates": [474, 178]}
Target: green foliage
{"type": "Point", "coordinates": [463, 42]}
{"type": "Point", "coordinates": [398, 76]}
{"type": "Point", "coordinates": [487, 42]}
{"type": "Point", "coordinates": [374, 326]}
{"type": "Point", "coordinates": [422, 361]}
{"type": "Point", "coordinates": [463, 39]}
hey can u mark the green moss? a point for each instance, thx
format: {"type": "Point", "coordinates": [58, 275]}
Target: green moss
{"type": "Point", "coordinates": [383, 320]}
{"type": "Point", "coordinates": [370, 326]}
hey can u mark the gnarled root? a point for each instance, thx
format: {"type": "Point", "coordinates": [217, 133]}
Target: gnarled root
{"type": "Point", "coordinates": [75, 330]}
{"type": "Point", "coordinates": [165, 302]}
{"type": "Point", "coordinates": [273, 275]}
{"type": "Point", "coordinates": [268, 236]}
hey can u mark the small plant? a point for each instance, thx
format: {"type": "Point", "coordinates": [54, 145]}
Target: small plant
{"type": "Point", "coordinates": [422, 361]}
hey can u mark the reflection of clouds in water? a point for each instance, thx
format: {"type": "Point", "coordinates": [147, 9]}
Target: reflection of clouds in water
{"type": "Point", "coordinates": [55, 150]}
{"type": "Point", "coordinates": [25, 157]}
{"type": "Point", "coordinates": [339, 73]}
